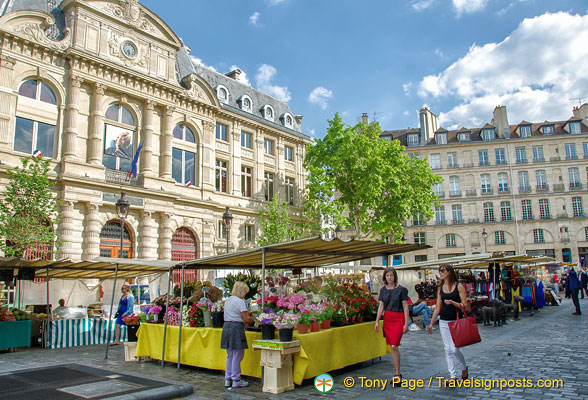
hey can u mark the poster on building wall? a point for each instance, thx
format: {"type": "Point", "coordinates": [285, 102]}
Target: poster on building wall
{"type": "Point", "coordinates": [118, 142]}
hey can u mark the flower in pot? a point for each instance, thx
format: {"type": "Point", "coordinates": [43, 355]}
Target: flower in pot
{"type": "Point", "coordinates": [303, 321]}
{"type": "Point", "coordinates": [217, 314]}
{"type": "Point", "coordinates": [154, 312]}
{"type": "Point", "coordinates": [266, 320]}
{"type": "Point", "coordinates": [285, 324]}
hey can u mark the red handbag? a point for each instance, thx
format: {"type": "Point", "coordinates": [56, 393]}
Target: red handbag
{"type": "Point", "coordinates": [464, 331]}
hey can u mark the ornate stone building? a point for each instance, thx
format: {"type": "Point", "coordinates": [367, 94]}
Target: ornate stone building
{"type": "Point", "coordinates": [509, 188]}
{"type": "Point", "coordinates": [86, 82]}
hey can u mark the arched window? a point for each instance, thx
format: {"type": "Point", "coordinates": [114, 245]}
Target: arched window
{"type": "Point", "coordinates": [184, 248]}
{"type": "Point", "coordinates": [36, 118]}
{"type": "Point", "coordinates": [184, 155]}
{"type": "Point", "coordinates": [110, 241]}
{"type": "Point", "coordinates": [268, 112]}
{"type": "Point", "coordinates": [119, 138]}
{"type": "Point", "coordinates": [222, 93]}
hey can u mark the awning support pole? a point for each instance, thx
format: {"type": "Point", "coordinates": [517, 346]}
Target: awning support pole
{"type": "Point", "coordinates": [181, 311]}
{"type": "Point", "coordinates": [110, 315]}
{"type": "Point", "coordinates": [262, 278]}
{"type": "Point", "coordinates": [48, 319]}
{"type": "Point", "coordinates": [169, 279]}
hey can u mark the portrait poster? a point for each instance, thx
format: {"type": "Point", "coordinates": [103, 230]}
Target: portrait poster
{"type": "Point", "coordinates": [118, 142]}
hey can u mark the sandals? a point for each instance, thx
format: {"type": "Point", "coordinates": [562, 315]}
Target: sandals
{"type": "Point", "coordinates": [464, 374]}
{"type": "Point", "coordinates": [394, 383]}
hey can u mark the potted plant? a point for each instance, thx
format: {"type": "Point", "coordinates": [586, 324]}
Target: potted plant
{"type": "Point", "coordinates": [303, 322]}
{"type": "Point", "coordinates": [266, 320]}
{"type": "Point", "coordinates": [132, 322]}
{"type": "Point", "coordinates": [217, 314]}
{"type": "Point", "coordinates": [315, 321]}
{"type": "Point", "coordinates": [285, 324]}
{"type": "Point", "coordinates": [326, 317]}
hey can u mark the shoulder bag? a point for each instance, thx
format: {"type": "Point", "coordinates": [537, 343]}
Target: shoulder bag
{"type": "Point", "coordinates": [464, 331]}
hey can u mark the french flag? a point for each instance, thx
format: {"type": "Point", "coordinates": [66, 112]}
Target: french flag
{"type": "Point", "coordinates": [133, 170]}
{"type": "Point", "coordinates": [188, 183]}
{"type": "Point", "coordinates": [37, 153]}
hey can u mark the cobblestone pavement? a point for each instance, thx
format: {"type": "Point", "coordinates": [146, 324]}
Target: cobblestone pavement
{"type": "Point", "coordinates": [549, 345]}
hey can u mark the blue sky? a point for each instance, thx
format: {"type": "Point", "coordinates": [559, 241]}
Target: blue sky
{"type": "Point", "coordinates": [389, 58]}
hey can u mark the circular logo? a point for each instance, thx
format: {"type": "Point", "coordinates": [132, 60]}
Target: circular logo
{"type": "Point", "coordinates": [323, 383]}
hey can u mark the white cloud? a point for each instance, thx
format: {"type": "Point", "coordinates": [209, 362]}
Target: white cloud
{"type": "Point", "coordinates": [312, 132]}
{"type": "Point", "coordinates": [534, 72]}
{"type": "Point", "coordinates": [420, 5]}
{"type": "Point", "coordinates": [440, 54]}
{"type": "Point", "coordinates": [242, 76]}
{"type": "Point", "coordinates": [406, 113]}
{"type": "Point", "coordinates": [406, 87]}
{"type": "Point", "coordinates": [254, 19]}
{"type": "Point", "coordinates": [320, 96]}
{"type": "Point", "coordinates": [468, 6]}
{"type": "Point", "coordinates": [264, 76]}
{"type": "Point", "coordinates": [275, 2]}
{"type": "Point", "coordinates": [199, 62]}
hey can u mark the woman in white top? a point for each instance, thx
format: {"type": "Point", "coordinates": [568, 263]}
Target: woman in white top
{"type": "Point", "coordinates": [233, 337]}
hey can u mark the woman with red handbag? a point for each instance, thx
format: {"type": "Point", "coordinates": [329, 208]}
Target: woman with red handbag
{"type": "Point", "coordinates": [451, 297]}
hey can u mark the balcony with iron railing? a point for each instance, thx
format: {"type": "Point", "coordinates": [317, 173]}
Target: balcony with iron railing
{"type": "Point", "coordinates": [503, 189]}
{"type": "Point", "coordinates": [559, 187]}
{"type": "Point", "coordinates": [522, 161]}
{"type": "Point", "coordinates": [453, 165]}
{"type": "Point", "coordinates": [555, 158]}
{"type": "Point", "coordinates": [575, 185]}
{"type": "Point", "coordinates": [544, 187]}
{"type": "Point", "coordinates": [455, 193]}
{"type": "Point", "coordinates": [458, 221]}
{"type": "Point", "coordinates": [524, 189]}
{"type": "Point", "coordinates": [471, 192]}
{"type": "Point", "coordinates": [539, 159]}
{"type": "Point", "coordinates": [123, 178]}
{"type": "Point", "coordinates": [486, 190]}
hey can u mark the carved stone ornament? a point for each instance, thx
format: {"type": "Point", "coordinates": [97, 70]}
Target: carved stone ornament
{"type": "Point", "coordinates": [131, 12]}
{"type": "Point", "coordinates": [115, 46]}
{"type": "Point", "coordinates": [193, 90]}
{"type": "Point", "coordinates": [36, 32]}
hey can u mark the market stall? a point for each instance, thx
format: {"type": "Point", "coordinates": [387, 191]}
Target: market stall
{"type": "Point", "coordinates": [15, 334]}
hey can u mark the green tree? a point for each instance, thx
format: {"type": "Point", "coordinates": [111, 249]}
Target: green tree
{"type": "Point", "coordinates": [276, 226]}
{"type": "Point", "coordinates": [28, 209]}
{"type": "Point", "coordinates": [357, 180]}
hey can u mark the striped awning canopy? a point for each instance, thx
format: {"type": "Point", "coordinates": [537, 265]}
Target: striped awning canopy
{"type": "Point", "coordinates": [304, 253]}
{"type": "Point", "coordinates": [100, 268]}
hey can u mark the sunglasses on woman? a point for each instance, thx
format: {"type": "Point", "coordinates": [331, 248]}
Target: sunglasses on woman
{"type": "Point", "coordinates": [442, 270]}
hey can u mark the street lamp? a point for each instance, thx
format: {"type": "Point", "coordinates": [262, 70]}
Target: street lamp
{"type": "Point", "coordinates": [485, 236]}
{"type": "Point", "coordinates": [227, 218]}
{"type": "Point", "coordinates": [122, 210]}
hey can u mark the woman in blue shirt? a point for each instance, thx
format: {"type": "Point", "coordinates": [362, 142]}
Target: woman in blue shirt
{"type": "Point", "coordinates": [125, 309]}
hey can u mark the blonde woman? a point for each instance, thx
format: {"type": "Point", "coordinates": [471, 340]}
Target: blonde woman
{"type": "Point", "coordinates": [125, 309]}
{"type": "Point", "coordinates": [233, 338]}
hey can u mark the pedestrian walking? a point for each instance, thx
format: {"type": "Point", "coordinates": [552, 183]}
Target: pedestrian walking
{"type": "Point", "coordinates": [125, 309]}
{"type": "Point", "coordinates": [574, 286]}
{"type": "Point", "coordinates": [555, 281]}
{"type": "Point", "coordinates": [393, 302]}
{"type": "Point", "coordinates": [451, 299]}
{"type": "Point", "coordinates": [583, 282]}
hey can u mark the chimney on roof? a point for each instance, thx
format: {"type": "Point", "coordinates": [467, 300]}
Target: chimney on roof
{"type": "Point", "coordinates": [364, 118]}
{"type": "Point", "coordinates": [234, 74]}
{"type": "Point", "coordinates": [298, 119]}
{"type": "Point", "coordinates": [500, 121]}
{"type": "Point", "coordinates": [581, 112]}
{"type": "Point", "coordinates": [429, 123]}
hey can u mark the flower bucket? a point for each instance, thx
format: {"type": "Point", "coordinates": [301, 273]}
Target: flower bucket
{"type": "Point", "coordinates": [207, 319]}
{"type": "Point", "coordinates": [154, 317]}
{"type": "Point", "coordinates": [314, 326]}
{"type": "Point", "coordinates": [132, 332]}
{"type": "Point", "coordinates": [326, 324]}
{"type": "Point", "coordinates": [286, 334]}
{"type": "Point", "coordinates": [268, 332]}
{"type": "Point", "coordinates": [360, 319]}
{"type": "Point", "coordinates": [302, 328]}
{"type": "Point", "coordinates": [217, 319]}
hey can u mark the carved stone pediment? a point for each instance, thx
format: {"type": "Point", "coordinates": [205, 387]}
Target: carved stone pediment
{"type": "Point", "coordinates": [194, 88]}
{"type": "Point", "coordinates": [32, 25]}
{"type": "Point", "coordinates": [115, 42]}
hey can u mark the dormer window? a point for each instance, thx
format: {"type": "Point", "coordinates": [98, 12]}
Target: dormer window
{"type": "Point", "coordinates": [488, 135]}
{"type": "Point", "coordinates": [441, 138]}
{"type": "Point", "coordinates": [288, 120]}
{"type": "Point", "coordinates": [412, 140]}
{"type": "Point", "coordinates": [245, 103]}
{"type": "Point", "coordinates": [222, 93]}
{"type": "Point", "coordinates": [268, 112]}
{"type": "Point", "coordinates": [464, 137]}
{"type": "Point", "coordinates": [525, 131]}
{"type": "Point", "coordinates": [548, 129]}
{"type": "Point", "coordinates": [575, 128]}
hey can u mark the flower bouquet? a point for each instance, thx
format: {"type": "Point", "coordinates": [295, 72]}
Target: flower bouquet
{"type": "Point", "coordinates": [131, 320]}
{"type": "Point", "coordinates": [285, 324]}
{"type": "Point", "coordinates": [154, 313]}
{"type": "Point", "coordinates": [217, 314]}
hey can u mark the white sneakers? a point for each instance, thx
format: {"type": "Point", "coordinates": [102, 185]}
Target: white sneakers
{"type": "Point", "coordinates": [240, 384]}
{"type": "Point", "coordinates": [413, 328]}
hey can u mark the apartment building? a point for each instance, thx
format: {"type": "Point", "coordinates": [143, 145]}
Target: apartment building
{"type": "Point", "coordinates": [507, 188]}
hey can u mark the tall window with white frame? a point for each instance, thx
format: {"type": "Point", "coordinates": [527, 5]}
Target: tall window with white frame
{"type": "Point", "coordinates": [452, 160]}
{"type": "Point", "coordinates": [438, 189]}
{"type": "Point", "coordinates": [220, 175]}
{"type": "Point", "coordinates": [525, 131]}
{"type": "Point", "coordinates": [538, 236]}
{"type": "Point", "coordinates": [524, 181]}
{"type": "Point", "coordinates": [268, 186]}
{"type": "Point", "coordinates": [499, 237]}
{"type": "Point", "coordinates": [521, 155]}
{"type": "Point", "coordinates": [435, 161]}
{"type": "Point", "coordinates": [575, 128]}
{"type": "Point", "coordinates": [574, 174]}
{"type": "Point", "coordinates": [488, 212]}
{"type": "Point", "coordinates": [544, 209]}
{"type": "Point", "coordinates": [502, 182]}
{"type": "Point", "coordinates": [246, 140]}
{"type": "Point", "coordinates": [571, 151]}
{"type": "Point", "coordinates": [577, 207]}
{"type": "Point", "coordinates": [420, 238]}
{"type": "Point", "coordinates": [541, 177]}
{"type": "Point", "coordinates": [505, 211]}
{"type": "Point", "coordinates": [413, 140]}
{"type": "Point", "coordinates": [119, 137]}
{"type": "Point", "coordinates": [246, 181]}
{"type": "Point", "coordinates": [184, 155]}
{"type": "Point", "coordinates": [454, 186]}
{"type": "Point", "coordinates": [527, 210]}
{"type": "Point", "coordinates": [268, 147]}
{"type": "Point", "coordinates": [418, 220]}
{"type": "Point", "coordinates": [288, 153]}
{"type": "Point", "coordinates": [222, 230]}
{"type": "Point", "coordinates": [586, 233]}
{"type": "Point", "coordinates": [500, 156]}
{"type": "Point", "coordinates": [486, 184]}
{"type": "Point", "coordinates": [538, 154]}
{"type": "Point", "coordinates": [289, 183]}
{"type": "Point", "coordinates": [440, 138]}
{"type": "Point", "coordinates": [450, 240]}
{"type": "Point", "coordinates": [36, 98]}
{"type": "Point", "coordinates": [221, 132]}
{"type": "Point", "coordinates": [488, 135]}
{"type": "Point", "coordinates": [249, 233]}
{"type": "Point", "coordinates": [585, 148]}
{"type": "Point", "coordinates": [457, 214]}
{"type": "Point", "coordinates": [483, 157]}
{"type": "Point", "coordinates": [440, 215]}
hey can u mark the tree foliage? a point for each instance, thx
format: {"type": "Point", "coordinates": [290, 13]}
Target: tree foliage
{"type": "Point", "coordinates": [28, 209]}
{"type": "Point", "coordinates": [276, 226]}
{"type": "Point", "coordinates": [357, 180]}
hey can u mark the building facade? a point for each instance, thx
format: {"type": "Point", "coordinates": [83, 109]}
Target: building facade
{"type": "Point", "coordinates": [507, 188]}
{"type": "Point", "coordinates": [86, 82]}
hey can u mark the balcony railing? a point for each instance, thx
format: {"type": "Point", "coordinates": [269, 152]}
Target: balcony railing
{"type": "Point", "coordinates": [558, 187]}
{"type": "Point", "coordinates": [457, 221]}
{"type": "Point", "coordinates": [486, 190]}
{"type": "Point", "coordinates": [543, 188]}
{"type": "Point", "coordinates": [539, 159]}
{"type": "Point", "coordinates": [554, 159]}
{"type": "Point", "coordinates": [522, 161]}
{"type": "Point", "coordinates": [122, 178]}
{"type": "Point", "coordinates": [440, 222]}
{"type": "Point", "coordinates": [471, 192]}
{"type": "Point", "coordinates": [525, 188]}
{"type": "Point", "coordinates": [503, 189]}
{"type": "Point", "coordinates": [575, 185]}
{"type": "Point", "coordinates": [453, 165]}
{"type": "Point", "coordinates": [455, 193]}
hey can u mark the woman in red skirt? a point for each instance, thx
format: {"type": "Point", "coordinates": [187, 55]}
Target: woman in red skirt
{"type": "Point", "coordinates": [393, 300]}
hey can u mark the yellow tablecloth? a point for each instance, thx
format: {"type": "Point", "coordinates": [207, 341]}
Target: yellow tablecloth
{"type": "Point", "coordinates": [320, 352]}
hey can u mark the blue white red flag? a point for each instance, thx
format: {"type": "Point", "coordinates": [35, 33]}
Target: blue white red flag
{"type": "Point", "coordinates": [188, 183]}
{"type": "Point", "coordinates": [133, 170]}
{"type": "Point", "coordinates": [37, 153]}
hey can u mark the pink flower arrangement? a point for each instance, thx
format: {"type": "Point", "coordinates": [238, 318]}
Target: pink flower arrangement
{"type": "Point", "coordinates": [155, 310]}
{"type": "Point", "coordinates": [173, 317]}
{"type": "Point", "coordinates": [291, 302]}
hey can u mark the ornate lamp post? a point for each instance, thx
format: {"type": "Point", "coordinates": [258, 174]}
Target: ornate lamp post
{"type": "Point", "coordinates": [485, 236]}
{"type": "Point", "coordinates": [122, 210]}
{"type": "Point", "coordinates": [227, 219]}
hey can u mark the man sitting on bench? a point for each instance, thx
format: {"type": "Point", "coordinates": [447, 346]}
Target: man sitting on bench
{"type": "Point", "coordinates": [420, 308]}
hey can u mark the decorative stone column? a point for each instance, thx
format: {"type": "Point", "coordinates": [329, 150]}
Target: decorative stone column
{"type": "Point", "coordinates": [66, 230]}
{"type": "Point", "coordinates": [165, 163]}
{"type": "Point", "coordinates": [235, 164]}
{"type": "Point", "coordinates": [91, 246]}
{"type": "Point", "coordinates": [208, 156]}
{"type": "Point", "coordinates": [147, 137]}
{"type": "Point", "coordinates": [7, 99]}
{"type": "Point", "coordinates": [145, 236]}
{"type": "Point", "coordinates": [72, 110]}
{"type": "Point", "coordinates": [96, 131]}
{"type": "Point", "coordinates": [258, 180]}
{"type": "Point", "coordinates": [165, 236]}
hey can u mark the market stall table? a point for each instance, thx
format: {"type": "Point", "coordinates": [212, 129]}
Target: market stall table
{"type": "Point", "coordinates": [15, 334]}
{"type": "Point", "coordinates": [322, 351]}
{"type": "Point", "coordinates": [81, 332]}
